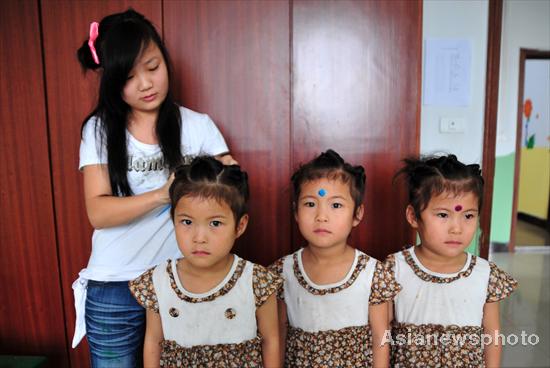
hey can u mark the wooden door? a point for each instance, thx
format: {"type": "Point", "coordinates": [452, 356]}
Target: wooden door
{"type": "Point", "coordinates": [287, 80]}
{"type": "Point", "coordinates": [31, 321]}
{"type": "Point", "coordinates": [356, 88]}
{"type": "Point", "coordinates": [232, 61]}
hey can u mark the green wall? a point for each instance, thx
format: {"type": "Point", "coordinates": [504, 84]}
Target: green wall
{"type": "Point", "coordinates": [503, 195]}
{"type": "Point", "coordinates": [474, 245]}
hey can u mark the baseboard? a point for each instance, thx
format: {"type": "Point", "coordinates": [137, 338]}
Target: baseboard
{"type": "Point", "coordinates": [498, 247]}
{"type": "Point", "coordinates": [542, 223]}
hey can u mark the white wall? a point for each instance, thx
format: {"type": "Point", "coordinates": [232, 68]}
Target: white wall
{"type": "Point", "coordinates": [525, 24]}
{"type": "Point", "coordinates": [458, 20]}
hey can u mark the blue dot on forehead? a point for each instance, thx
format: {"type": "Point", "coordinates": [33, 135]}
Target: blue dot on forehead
{"type": "Point", "coordinates": [322, 192]}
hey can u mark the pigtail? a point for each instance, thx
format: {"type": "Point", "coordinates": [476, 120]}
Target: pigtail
{"type": "Point", "coordinates": [85, 58]}
{"type": "Point", "coordinates": [360, 179]}
{"type": "Point", "coordinates": [329, 158]}
{"type": "Point", "coordinates": [475, 171]}
{"type": "Point", "coordinates": [88, 53]}
{"type": "Point", "coordinates": [203, 169]}
{"type": "Point", "coordinates": [415, 170]}
{"type": "Point", "coordinates": [234, 176]}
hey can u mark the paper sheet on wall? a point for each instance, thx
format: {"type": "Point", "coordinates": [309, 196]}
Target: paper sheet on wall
{"type": "Point", "coordinates": [447, 72]}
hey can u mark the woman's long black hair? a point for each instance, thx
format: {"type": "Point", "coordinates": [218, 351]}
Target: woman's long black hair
{"type": "Point", "coordinates": [121, 39]}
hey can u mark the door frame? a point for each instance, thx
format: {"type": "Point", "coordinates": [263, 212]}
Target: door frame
{"type": "Point", "coordinates": [490, 120]}
{"type": "Point", "coordinates": [524, 54]}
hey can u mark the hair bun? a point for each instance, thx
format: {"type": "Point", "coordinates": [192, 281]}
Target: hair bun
{"type": "Point", "coordinates": [329, 158]}
{"type": "Point", "coordinates": [85, 58]}
{"type": "Point", "coordinates": [359, 175]}
{"type": "Point", "coordinates": [238, 178]}
{"type": "Point", "coordinates": [205, 168]}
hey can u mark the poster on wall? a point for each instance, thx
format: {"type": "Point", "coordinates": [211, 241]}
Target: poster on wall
{"type": "Point", "coordinates": [447, 72]}
{"type": "Point", "coordinates": [536, 104]}
{"type": "Point", "coordinates": [534, 173]}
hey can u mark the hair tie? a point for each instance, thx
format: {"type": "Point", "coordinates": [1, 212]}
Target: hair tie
{"type": "Point", "coordinates": [94, 32]}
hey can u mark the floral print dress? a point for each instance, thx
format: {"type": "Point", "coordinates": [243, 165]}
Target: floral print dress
{"type": "Point", "coordinates": [328, 325]}
{"type": "Point", "coordinates": [214, 329]}
{"type": "Point", "coordinates": [438, 317]}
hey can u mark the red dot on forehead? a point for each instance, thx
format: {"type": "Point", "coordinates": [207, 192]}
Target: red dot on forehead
{"type": "Point", "coordinates": [458, 207]}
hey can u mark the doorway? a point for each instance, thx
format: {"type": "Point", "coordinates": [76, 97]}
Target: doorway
{"type": "Point", "coordinates": [531, 206]}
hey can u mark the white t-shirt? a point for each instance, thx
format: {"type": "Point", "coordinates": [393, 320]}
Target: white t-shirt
{"type": "Point", "coordinates": [124, 252]}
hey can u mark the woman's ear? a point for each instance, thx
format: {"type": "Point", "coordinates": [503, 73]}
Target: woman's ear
{"type": "Point", "coordinates": [241, 226]}
{"type": "Point", "coordinates": [359, 212]}
{"type": "Point", "coordinates": [411, 217]}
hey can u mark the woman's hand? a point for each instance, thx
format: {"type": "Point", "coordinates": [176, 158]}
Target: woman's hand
{"type": "Point", "coordinates": [226, 159]}
{"type": "Point", "coordinates": [164, 191]}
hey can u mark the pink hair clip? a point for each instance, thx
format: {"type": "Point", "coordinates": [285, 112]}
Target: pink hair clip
{"type": "Point", "coordinates": [94, 32]}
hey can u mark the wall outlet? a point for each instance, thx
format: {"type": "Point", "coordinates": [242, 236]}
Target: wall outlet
{"type": "Point", "coordinates": [452, 125]}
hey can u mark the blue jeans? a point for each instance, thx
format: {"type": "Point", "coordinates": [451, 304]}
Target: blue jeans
{"type": "Point", "coordinates": [115, 325]}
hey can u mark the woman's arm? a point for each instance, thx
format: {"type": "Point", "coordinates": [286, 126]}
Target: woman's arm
{"type": "Point", "coordinates": [105, 210]}
{"type": "Point", "coordinates": [153, 338]}
{"type": "Point", "coordinates": [268, 326]}
{"type": "Point", "coordinates": [491, 327]}
{"type": "Point", "coordinates": [378, 320]}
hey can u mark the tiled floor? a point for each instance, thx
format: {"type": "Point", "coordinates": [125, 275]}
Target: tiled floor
{"type": "Point", "coordinates": [527, 309]}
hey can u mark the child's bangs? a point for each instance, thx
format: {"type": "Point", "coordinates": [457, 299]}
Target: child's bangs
{"type": "Point", "coordinates": [222, 194]}
{"type": "Point", "coordinates": [329, 174]}
{"type": "Point", "coordinates": [454, 187]}
{"type": "Point", "coordinates": [338, 174]}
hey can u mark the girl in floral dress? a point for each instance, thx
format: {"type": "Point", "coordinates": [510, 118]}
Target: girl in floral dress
{"type": "Point", "coordinates": [447, 314]}
{"type": "Point", "coordinates": [333, 307]}
{"type": "Point", "coordinates": [210, 308]}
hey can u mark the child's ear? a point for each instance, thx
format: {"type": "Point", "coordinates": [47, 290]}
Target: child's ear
{"type": "Point", "coordinates": [359, 212]}
{"type": "Point", "coordinates": [411, 217]}
{"type": "Point", "coordinates": [241, 226]}
{"type": "Point", "coordinates": [295, 211]}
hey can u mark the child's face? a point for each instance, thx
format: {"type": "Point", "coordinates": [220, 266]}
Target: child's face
{"type": "Point", "coordinates": [147, 84]}
{"type": "Point", "coordinates": [205, 230]}
{"type": "Point", "coordinates": [325, 213]}
{"type": "Point", "coordinates": [448, 224]}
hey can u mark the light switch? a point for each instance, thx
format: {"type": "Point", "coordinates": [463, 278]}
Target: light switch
{"type": "Point", "coordinates": [452, 125]}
